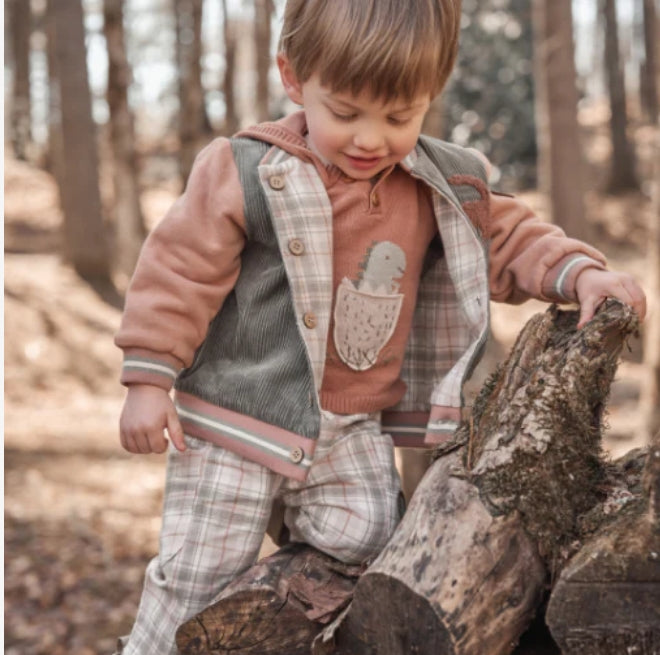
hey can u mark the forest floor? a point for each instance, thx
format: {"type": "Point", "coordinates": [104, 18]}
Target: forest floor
{"type": "Point", "coordinates": [81, 515]}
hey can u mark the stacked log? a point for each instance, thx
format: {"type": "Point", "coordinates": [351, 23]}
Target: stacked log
{"type": "Point", "coordinates": [607, 599]}
{"type": "Point", "coordinates": [277, 606]}
{"type": "Point", "coordinates": [501, 511]}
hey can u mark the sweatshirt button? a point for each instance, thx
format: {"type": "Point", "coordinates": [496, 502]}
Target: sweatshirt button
{"type": "Point", "coordinates": [296, 455]}
{"type": "Point", "coordinates": [276, 182]}
{"type": "Point", "coordinates": [296, 247]}
{"type": "Point", "coordinates": [309, 319]}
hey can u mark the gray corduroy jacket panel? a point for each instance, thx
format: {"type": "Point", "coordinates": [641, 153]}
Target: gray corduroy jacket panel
{"type": "Point", "coordinates": [254, 360]}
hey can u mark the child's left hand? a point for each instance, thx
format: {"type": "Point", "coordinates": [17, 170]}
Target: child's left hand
{"type": "Point", "coordinates": [594, 285]}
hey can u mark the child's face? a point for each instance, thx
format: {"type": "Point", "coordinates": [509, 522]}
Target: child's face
{"type": "Point", "coordinates": [358, 134]}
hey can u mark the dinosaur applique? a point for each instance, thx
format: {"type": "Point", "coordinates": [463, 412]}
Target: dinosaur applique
{"type": "Point", "coordinates": [367, 308]}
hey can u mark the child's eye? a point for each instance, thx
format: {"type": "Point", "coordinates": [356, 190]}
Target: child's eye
{"type": "Point", "coordinates": [393, 120]}
{"type": "Point", "coordinates": [343, 117]}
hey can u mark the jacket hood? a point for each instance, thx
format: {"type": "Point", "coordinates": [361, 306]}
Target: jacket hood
{"type": "Point", "coordinates": [287, 133]}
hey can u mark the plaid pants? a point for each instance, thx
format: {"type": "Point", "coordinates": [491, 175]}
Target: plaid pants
{"type": "Point", "coordinates": [216, 510]}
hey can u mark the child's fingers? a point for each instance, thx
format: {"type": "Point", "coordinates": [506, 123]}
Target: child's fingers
{"type": "Point", "coordinates": [136, 442]}
{"type": "Point", "coordinates": [156, 443]}
{"type": "Point", "coordinates": [588, 308]}
{"type": "Point", "coordinates": [637, 298]}
{"type": "Point", "coordinates": [175, 430]}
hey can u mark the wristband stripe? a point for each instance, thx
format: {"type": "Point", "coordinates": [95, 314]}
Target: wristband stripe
{"type": "Point", "coordinates": [563, 275]}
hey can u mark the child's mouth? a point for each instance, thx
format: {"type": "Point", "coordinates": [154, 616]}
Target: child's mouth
{"type": "Point", "coordinates": [363, 163]}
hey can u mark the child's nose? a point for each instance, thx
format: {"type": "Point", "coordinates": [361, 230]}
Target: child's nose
{"type": "Point", "coordinates": [368, 139]}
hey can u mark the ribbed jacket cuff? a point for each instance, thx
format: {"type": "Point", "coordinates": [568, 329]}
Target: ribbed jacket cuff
{"type": "Point", "coordinates": [559, 281]}
{"type": "Point", "coordinates": [145, 367]}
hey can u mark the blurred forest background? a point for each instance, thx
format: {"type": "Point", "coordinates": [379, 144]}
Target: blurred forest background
{"type": "Point", "coordinates": [106, 104]}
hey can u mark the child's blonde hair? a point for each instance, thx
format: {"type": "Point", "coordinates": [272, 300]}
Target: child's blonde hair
{"type": "Point", "coordinates": [393, 48]}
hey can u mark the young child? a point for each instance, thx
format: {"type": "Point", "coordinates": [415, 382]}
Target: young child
{"type": "Point", "coordinates": [319, 291]}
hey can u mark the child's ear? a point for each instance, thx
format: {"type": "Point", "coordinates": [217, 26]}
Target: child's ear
{"type": "Point", "coordinates": [289, 79]}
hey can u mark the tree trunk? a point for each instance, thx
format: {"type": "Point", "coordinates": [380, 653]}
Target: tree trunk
{"type": "Point", "coordinates": [607, 600]}
{"type": "Point", "coordinates": [263, 10]}
{"type": "Point", "coordinates": [54, 159]}
{"type": "Point", "coordinates": [20, 22]}
{"type": "Point", "coordinates": [558, 134]}
{"type": "Point", "coordinates": [85, 242]}
{"type": "Point", "coordinates": [650, 394]}
{"type": "Point", "coordinates": [649, 73]}
{"type": "Point", "coordinates": [493, 520]}
{"type": "Point", "coordinates": [622, 174]}
{"type": "Point", "coordinates": [466, 569]}
{"type": "Point", "coordinates": [277, 606]}
{"type": "Point", "coordinates": [231, 123]}
{"type": "Point", "coordinates": [194, 125]}
{"type": "Point", "coordinates": [129, 227]}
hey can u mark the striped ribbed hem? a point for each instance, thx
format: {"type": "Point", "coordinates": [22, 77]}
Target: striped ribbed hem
{"type": "Point", "coordinates": [280, 450]}
{"type": "Point", "coordinates": [407, 429]}
{"type": "Point", "coordinates": [138, 369]}
{"type": "Point", "coordinates": [442, 424]}
{"type": "Point", "coordinates": [421, 429]}
{"type": "Point", "coordinates": [440, 431]}
{"type": "Point", "coordinates": [563, 276]}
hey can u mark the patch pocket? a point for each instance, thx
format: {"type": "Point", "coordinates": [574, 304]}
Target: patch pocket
{"type": "Point", "coordinates": [364, 323]}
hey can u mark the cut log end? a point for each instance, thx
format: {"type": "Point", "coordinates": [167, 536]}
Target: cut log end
{"type": "Point", "coordinates": [256, 621]}
{"type": "Point", "coordinates": [277, 606]}
{"type": "Point", "coordinates": [408, 625]}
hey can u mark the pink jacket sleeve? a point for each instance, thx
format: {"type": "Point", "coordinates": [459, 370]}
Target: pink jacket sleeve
{"type": "Point", "coordinates": [530, 258]}
{"type": "Point", "coordinates": [187, 266]}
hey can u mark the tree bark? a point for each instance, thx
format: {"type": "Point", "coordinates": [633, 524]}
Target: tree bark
{"type": "Point", "coordinates": [650, 394]}
{"type": "Point", "coordinates": [194, 125]}
{"type": "Point", "coordinates": [623, 176]}
{"type": "Point", "coordinates": [277, 606]}
{"type": "Point", "coordinates": [129, 227]}
{"type": "Point", "coordinates": [85, 242]}
{"type": "Point", "coordinates": [561, 173]}
{"type": "Point", "coordinates": [607, 600]}
{"type": "Point", "coordinates": [494, 519]}
{"type": "Point", "coordinates": [263, 10]}
{"type": "Point", "coordinates": [20, 21]}
{"type": "Point", "coordinates": [55, 150]}
{"type": "Point", "coordinates": [231, 123]}
{"type": "Point", "coordinates": [649, 73]}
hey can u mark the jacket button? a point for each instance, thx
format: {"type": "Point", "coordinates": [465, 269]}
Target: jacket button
{"type": "Point", "coordinates": [309, 319]}
{"type": "Point", "coordinates": [276, 182]}
{"type": "Point", "coordinates": [296, 247]}
{"type": "Point", "coordinates": [296, 455]}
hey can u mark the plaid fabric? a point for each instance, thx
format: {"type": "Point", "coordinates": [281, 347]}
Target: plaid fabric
{"type": "Point", "coordinates": [349, 505]}
{"type": "Point", "coordinates": [216, 510]}
{"type": "Point", "coordinates": [451, 318]}
{"type": "Point", "coordinates": [300, 209]}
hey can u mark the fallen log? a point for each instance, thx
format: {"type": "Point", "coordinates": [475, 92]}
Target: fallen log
{"type": "Point", "coordinates": [493, 517]}
{"type": "Point", "coordinates": [489, 528]}
{"type": "Point", "coordinates": [277, 606]}
{"type": "Point", "coordinates": [607, 599]}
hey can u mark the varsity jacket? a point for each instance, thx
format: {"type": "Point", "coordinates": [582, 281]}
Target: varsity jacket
{"type": "Point", "coordinates": [231, 299]}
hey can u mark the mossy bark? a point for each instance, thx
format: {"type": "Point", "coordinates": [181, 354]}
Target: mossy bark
{"type": "Point", "coordinates": [607, 599]}
{"type": "Point", "coordinates": [501, 510]}
{"type": "Point", "coordinates": [496, 515]}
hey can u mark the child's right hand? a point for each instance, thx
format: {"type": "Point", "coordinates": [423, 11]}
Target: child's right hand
{"type": "Point", "coordinates": [148, 410]}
